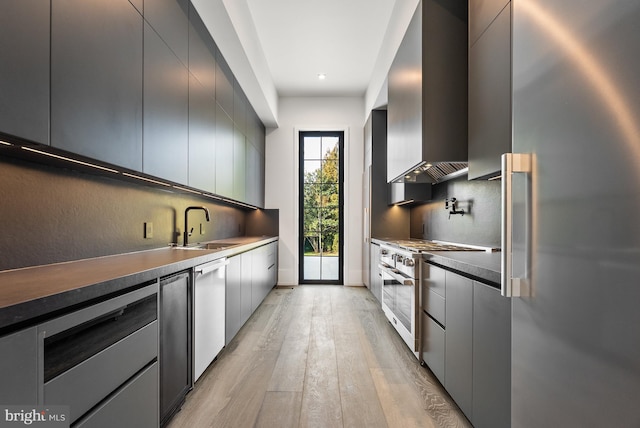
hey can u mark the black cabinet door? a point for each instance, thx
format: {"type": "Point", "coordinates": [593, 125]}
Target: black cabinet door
{"type": "Point", "coordinates": [459, 340]}
{"type": "Point", "coordinates": [224, 153]}
{"type": "Point", "coordinates": [491, 358]}
{"type": "Point", "coordinates": [166, 111]}
{"type": "Point", "coordinates": [24, 74]}
{"type": "Point", "coordinates": [202, 137]}
{"type": "Point", "coordinates": [96, 80]}
{"type": "Point", "coordinates": [490, 97]}
{"type": "Point", "coordinates": [175, 343]}
{"type": "Point", "coordinates": [170, 20]}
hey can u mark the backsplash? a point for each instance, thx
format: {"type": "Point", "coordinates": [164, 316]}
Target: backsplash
{"type": "Point", "coordinates": [54, 215]}
{"type": "Point", "coordinates": [480, 224]}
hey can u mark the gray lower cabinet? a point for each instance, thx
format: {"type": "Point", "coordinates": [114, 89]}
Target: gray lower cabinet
{"type": "Point", "coordinates": [96, 80]}
{"type": "Point", "coordinates": [233, 319]}
{"type": "Point", "coordinates": [166, 111]}
{"type": "Point", "coordinates": [246, 307]}
{"type": "Point", "coordinates": [433, 346]}
{"type": "Point", "coordinates": [459, 341]}
{"type": "Point", "coordinates": [491, 358]}
{"type": "Point", "coordinates": [250, 277]}
{"type": "Point", "coordinates": [19, 367]}
{"type": "Point", "coordinates": [24, 75]}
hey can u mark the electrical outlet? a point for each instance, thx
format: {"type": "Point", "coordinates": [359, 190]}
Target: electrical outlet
{"type": "Point", "coordinates": [148, 230]}
{"type": "Point", "coordinates": [201, 229]}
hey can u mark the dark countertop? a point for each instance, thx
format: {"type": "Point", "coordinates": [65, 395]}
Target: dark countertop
{"type": "Point", "coordinates": [481, 266]}
{"type": "Point", "coordinates": [31, 294]}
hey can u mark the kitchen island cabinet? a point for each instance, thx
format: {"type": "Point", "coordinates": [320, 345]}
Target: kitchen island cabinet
{"type": "Point", "coordinates": [24, 75]}
{"type": "Point", "coordinates": [96, 80]}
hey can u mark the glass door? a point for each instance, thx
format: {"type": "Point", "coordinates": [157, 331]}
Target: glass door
{"type": "Point", "coordinates": [321, 202]}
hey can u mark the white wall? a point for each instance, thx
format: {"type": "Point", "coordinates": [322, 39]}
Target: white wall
{"type": "Point", "coordinates": [281, 175]}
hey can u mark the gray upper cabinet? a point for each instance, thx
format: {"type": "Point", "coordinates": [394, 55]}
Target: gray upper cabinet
{"type": "Point", "coordinates": [254, 195]}
{"type": "Point", "coordinates": [240, 107]}
{"type": "Point", "coordinates": [96, 80]}
{"type": "Point", "coordinates": [491, 358]}
{"type": "Point", "coordinates": [490, 96]}
{"type": "Point", "coordinates": [24, 74]}
{"type": "Point", "coordinates": [202, 137]}
{"type": "Point", "coordinates": [459, 340]}
{"type": "Point", "coordinates": [239, 165]}
{"type": "Point", "coordinates": [202, 53]}
{"type": "Point", "coordinates": [481, 15]}
{"type": "Point", "coordinates": [224, 153]}
{"type": "Point", "coordinates": [170, 20]}
{"type": "Point", "coordinates": [166, 109]}
{"type": "Point", "coordinates": [224, 85]}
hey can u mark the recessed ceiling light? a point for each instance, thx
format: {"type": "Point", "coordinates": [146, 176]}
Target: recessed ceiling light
{"type": "Point", "coordinates": [322, 76]}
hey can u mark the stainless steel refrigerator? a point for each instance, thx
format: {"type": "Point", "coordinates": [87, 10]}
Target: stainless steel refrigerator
{"type": "Point", "coordinates": [576, 216]}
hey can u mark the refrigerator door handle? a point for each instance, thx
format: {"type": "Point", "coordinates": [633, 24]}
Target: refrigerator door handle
{"type": "Point", "coordinates": [511, 163]}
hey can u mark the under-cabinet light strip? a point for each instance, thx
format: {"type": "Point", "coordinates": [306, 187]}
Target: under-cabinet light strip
{"type": "Point", "coordinates": [187, 190]}
{"type": "Point", "coordinates": [146, 179]}
{"type": "Point", "coordinates": [69, 159]}
{"type": "Point", "coordinates": [5, 143]}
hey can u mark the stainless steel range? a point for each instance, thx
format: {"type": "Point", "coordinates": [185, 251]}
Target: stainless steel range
{"type": "Point", "coordinates": [401, 278]}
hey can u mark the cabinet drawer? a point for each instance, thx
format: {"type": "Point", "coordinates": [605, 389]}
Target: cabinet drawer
{"type": "Point", "coordinates": [86, 384]}
{"type": "Point", "coordinates": [135, 405]}
{"type": "Point", "coordinates": [434, 305]}
{"type": "Point", "coordinates": [433, 278]}
{"type": "Point", "coordinates": [433, 346]}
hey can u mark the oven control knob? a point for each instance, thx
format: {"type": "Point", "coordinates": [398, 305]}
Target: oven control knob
{"type": "Point", "coordinates": [408, 262]}
{"type": "Point", "coordinates": [399, 258]}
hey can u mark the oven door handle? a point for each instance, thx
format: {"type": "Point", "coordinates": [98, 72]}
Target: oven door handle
{"type": "Point", "coordinates": [396, 274]}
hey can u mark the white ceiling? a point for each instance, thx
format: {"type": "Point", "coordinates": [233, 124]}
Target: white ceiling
{"type": "Point", "coordinates": [278, 47]}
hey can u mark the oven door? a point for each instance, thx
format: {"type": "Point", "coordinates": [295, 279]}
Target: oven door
{"type": "Point", "coordinates": [399, 300]}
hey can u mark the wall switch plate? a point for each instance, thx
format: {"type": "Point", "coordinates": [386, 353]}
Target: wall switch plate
{"type": "Point", "coordinates": [201, 229]}
{"type": "Point", "coordinates": [148, 230]}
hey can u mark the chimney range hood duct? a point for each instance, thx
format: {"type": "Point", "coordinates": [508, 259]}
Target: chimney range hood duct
{"type": "Point", "coordinates": [427, 101]}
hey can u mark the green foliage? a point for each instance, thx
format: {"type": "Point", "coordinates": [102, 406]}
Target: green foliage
{"type": "Point", "coordinates": [321, 205]}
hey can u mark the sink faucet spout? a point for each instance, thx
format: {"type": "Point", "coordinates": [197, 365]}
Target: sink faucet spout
{"type": "Point", "coordinates": [187, 231]}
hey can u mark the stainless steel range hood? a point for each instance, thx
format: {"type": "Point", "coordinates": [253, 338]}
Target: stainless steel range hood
{"type": "Point", "coordinates": [427, 103]}
{"type": "Point", "coordinates": [426, 172]}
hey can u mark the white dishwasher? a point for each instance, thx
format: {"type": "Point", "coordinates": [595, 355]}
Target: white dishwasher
{"type": "Point", "coordinates": [208, 314]}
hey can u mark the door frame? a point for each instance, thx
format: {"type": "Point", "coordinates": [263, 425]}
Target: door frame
{"type": "Point", "coordinates": [341, 134]}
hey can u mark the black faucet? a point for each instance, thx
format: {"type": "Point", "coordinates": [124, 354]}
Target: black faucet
{"type": "Point", "coordinates": [450, 204]}
{"type": "Point", "coordinates": [187, 232]}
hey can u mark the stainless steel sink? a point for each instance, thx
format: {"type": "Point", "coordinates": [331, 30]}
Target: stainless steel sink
{"type": "Point", "coordinates": [207, 246]}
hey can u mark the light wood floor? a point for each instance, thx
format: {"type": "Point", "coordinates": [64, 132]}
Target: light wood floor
{"type": "Point", "coordinates": [318, 356]}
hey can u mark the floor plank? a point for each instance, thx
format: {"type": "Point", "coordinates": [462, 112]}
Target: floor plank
{"type": "Point", "coordinates": [318, 356]}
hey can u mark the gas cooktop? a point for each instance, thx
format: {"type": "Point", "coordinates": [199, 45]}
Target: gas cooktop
{"type": "Point", "coordinates": [420, 245]}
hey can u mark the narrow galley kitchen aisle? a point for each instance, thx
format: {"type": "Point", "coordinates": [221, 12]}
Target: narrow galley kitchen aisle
{"type": "Point", "coordinates": [318, 356]}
